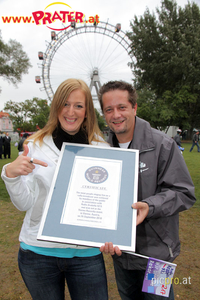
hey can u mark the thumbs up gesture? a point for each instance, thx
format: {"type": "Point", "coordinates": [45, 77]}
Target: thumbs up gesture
{"type": "Point", "coordinates": [23, 165]}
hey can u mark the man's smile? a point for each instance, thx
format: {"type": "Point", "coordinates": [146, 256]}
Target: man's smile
{"type": "Point", "coordinates": [118, 122]}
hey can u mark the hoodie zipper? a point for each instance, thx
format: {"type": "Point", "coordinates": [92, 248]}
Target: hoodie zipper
{"type": "Point", "coordinates": [170, 251]}
{"type": "Point", "coordinates": [147, 150]}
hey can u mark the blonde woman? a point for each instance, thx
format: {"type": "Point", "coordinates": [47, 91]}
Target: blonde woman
{"type": "Point", "coordinates": [46, 265]}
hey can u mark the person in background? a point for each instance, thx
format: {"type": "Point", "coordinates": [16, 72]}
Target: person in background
{"type": "Point", "coordinates": [177, 139]}
{"type": "Point", "coordinates": [195, 141]}
{"type": "Point", "coordinates": [46, 265]}
{"type": "Point", "coordinates": [21, 142]}
{"type": "Point", "coordinates": [6, 145]}
{"type": "Point", "coordinates": [165, 188]}
{"type": "Point", "coordinates": [1, 146]}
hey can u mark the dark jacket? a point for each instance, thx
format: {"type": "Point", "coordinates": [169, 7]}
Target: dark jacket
{"type": "Point", "coordinates": [165, 184]}
{"type": "Point", "coordinates": [195, 138]}
{"type": "Point", "coordinates": [177, 139]}
{"type": "Point", "coordinates": [6, 141]}
{"type": "Point", "coordinates": [20, 145]}
{"type": "Point", "coordinates": [1, 145]}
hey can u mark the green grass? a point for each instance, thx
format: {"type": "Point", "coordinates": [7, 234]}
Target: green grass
{"type": "Point", "coordinates": [188, 262]}
{"type": "Point", "coordinates": [192, 160]}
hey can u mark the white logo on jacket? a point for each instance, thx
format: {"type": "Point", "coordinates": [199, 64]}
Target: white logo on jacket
{"type": "Point", "coordinates": [142, 167]}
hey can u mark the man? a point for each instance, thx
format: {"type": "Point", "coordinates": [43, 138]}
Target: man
{"type": "Point", "coordinates": [1, 146]}
{"type": "Point", "coordinates": [6, 143]}
{"type": "Point", "coordinates": [177, 139]}
{"type": "Point", "coordinates": [21, 142]}
{"type": "Point", "coordinates": [195, 141]}
{"type": "Point", "coordinates": [165, 188]}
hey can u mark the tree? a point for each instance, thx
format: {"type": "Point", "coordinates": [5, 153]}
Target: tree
{"type": "Point", "coordinates": [28, 115]}
{"type": "Point", "coordinates": [170, 109]}
{"type": "Point", "coordinates": [167, 61]}
{"type": "Point", "coordinates": [31, 115]}
{"type": "Point", "coordinates": [101, 120]}
{"type": "Point", "coordinates": [14, 62]}
{"type": "Point", "coordinates": [39, 112]}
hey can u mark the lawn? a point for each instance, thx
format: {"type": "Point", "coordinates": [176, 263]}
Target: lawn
{"type": "Point", "coordinates": [186, 279]}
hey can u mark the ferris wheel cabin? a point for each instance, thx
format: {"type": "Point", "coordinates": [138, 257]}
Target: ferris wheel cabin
{"type": "Point", "coordinates": [37, 79]}
{"type": "Point", "coordinates": [118, 27]}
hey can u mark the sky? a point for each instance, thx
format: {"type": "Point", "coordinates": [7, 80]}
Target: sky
{"type": "Point", "coordinates": [35, 38]}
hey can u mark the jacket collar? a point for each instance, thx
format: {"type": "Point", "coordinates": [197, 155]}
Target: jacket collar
{"type": "Point", "coordinates": [48, 140]}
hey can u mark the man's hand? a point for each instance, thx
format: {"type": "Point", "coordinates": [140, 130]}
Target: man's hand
{"type": "Point", "coordinates": [142, 211]}
{"type": "Point", "coordinates": [108, 248]}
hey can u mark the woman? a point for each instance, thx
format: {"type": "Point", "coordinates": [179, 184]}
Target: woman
{"type": "Point", "coordinates": [45, 265]}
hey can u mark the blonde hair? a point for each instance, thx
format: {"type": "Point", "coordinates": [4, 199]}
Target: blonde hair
{"type": "Point", "coordinates": [62, 93]}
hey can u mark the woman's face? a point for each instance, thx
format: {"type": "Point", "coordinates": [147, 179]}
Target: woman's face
{"type": "Point", "coordinates": [73, 113]}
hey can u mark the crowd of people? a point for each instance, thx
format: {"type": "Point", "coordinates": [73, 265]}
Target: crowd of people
{"type": "Point", "coordinates": [5, 148]}
{"type": "Point", "coordinates": [165, 189]}
{"type": "Point", "coordinates": [195, 140]}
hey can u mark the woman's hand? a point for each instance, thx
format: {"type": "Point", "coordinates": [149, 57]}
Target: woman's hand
{"type": "Point", "coordinates": [23, 165]}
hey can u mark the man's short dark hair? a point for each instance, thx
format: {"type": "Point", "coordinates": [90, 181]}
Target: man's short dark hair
{"type": "Point", "coordinates": [118, 85]}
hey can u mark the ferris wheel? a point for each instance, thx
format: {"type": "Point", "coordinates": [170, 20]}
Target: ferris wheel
{"type": "Point", "coordinates": [95, 53]}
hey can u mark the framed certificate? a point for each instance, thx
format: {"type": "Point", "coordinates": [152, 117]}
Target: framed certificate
{"type": "Point", "coordinates": [90, 199]}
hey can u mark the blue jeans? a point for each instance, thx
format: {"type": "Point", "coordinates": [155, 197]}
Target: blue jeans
{"type": "Point", "coordinates": [45, 276]}
{"type": "Point", "coordinates": [129, 283]}
{"type": "Point", "coordinates": [195, 144]}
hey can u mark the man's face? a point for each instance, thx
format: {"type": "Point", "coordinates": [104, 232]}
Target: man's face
{"type": "Point", "coordinates": [119, 114]}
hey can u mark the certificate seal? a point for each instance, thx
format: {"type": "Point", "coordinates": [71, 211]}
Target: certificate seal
{"type": "Point", "coordinates": [96, 174]}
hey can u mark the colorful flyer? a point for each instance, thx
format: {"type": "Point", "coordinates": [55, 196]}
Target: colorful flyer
{"type": "Point", "coordinates": [158, 277]}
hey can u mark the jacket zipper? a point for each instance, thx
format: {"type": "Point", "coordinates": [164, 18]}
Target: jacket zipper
{"type": "Point", "coordinates": [147, 150]}
{"type": "Point", "coordinates": [170, 251]}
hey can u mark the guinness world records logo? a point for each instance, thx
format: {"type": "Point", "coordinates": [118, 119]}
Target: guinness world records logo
{"type": "Point", "coordinates": [96, 174]}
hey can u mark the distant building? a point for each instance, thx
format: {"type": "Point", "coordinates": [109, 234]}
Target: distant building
{"type": "Point", "coordinates": [5, 122]}
{"type": "Point", "coordinates": [7, 126]}
{"type": "Point", "coordinates": [172, 131]}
